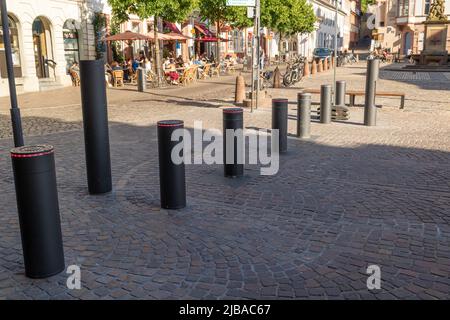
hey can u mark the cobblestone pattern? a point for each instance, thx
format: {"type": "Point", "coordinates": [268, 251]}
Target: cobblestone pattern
{"type": "Point", "coordinates": [310, 231]}
{"type": "Point", "coordinates": [349, 197]}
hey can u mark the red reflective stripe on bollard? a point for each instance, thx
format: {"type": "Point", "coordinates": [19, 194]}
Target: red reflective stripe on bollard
{"type": "Point", "coordinates": [15, 155]}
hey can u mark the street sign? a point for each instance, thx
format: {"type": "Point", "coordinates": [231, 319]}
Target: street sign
{"type": "Point", "coordinates": [250, 12]}
{"type": "Point", "coordinates": [241, 3]}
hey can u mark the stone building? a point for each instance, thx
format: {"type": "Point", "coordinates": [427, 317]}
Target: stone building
{"type": "Point", "coordinates": [400, 24]}
{"type": "Point", "coordinates": [47, 36]}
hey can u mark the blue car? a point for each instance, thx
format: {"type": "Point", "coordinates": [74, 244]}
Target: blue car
{"type": "Point", "coordinates": [321, 53]}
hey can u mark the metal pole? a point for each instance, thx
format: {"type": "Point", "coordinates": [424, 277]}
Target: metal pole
{"type": "Point", "coordinates": [95, 124]}
{"type": "Point", "coordinates": [335, 48]}
{"type": "Point", "coordinates": [280, 121]}
{"type": "Point", "coordinates": [172, 177]}
{"type": "Point", "coordinates": [325, 103]}
{"type": "Point", "coordinates": [37, 203]}
{"type": "Point", "coordinates": [370, 110]}
{"type": "Point", "coordinates": [258, 53]}
{"type": "Point", "coordinates": [141, 80]}
{"type": "Point", "coordinates": [339, 93]}
{"type": "Point", "coordinates": [14, 111]}
{"type": "Point", "coordinates": [304, 115]}
{"type": "Point", "coordinates": [233, 120]}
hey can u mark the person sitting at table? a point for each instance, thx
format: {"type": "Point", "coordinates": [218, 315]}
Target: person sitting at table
{"type": "Point", "coordinates": [116, 66]}
{"type": "Point", "coordinates": [179, 62]}
{"type": "Point", "coordinates": [142, 58]}
{"type": "Point", "coordinates": [166, 63]}
{"type": "Point", "coordinates": [147, 64]}
{"type": "Point", "coordinates": [171, 71]}
{"type": "Point", "coordinates": [134, 65]}
{"type": "Point", "coordinates": [127, 69]}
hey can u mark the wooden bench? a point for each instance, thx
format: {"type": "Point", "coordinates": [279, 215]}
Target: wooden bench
{"type": "Point", "coordinates": [354, 93]}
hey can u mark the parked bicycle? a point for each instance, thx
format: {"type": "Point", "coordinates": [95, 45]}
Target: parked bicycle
{"type": "Point", "coordinates": [294, 71]}
{"type": "Point", "coordinates": [266, 78]}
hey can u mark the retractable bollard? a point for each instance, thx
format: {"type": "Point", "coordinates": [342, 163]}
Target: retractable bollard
{"type": "Point", "coordinates": [325, 103]}
{"type": "Point", "coordinates": [233, 148]}
{"type": "Point", "coordinates": [304, 115]}
{"type": "Point", "coordinates": [95, 124]}
{"type": "Point", "coordinates": [172, 179]}
{"type": "Point", "coordinates": [280, 121]}
{"type": "Point", "coordinates": [340, 93]}
{"type": "Point", "coordinates": [141, 81]}
{"type": "Point", "coordinates": [370, 110]}
{"type": "Point", "coordinates": [37, 204]}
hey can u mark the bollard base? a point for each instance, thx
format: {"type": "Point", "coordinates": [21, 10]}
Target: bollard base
{"type": "Point", "coordinates": [173, 207]}
{"type": "Point", "coordinates": [46, 275]}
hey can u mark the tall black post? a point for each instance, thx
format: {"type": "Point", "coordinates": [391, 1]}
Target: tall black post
{"type": "Point", "coordinates": [370, 110]}
{"type": "Point", "coordinates": [233, 120]}
{"type": "Point", "coordinates": [16, 120]}
{"type": "Point", "coordinates": [325, 103]}
{"type": "Point", "coordinates": [280, 121]}
{"type": "Point", "coordinates": [95, 123]}
{"type": "Point", "coordinates": [172, 179]}
{"type": "Point", "coordinates": [304, 115]}
{"type": "Point", "coordinates": [37, 203]}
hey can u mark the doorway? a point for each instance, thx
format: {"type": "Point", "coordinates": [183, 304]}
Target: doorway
{"type": "Point", "coordinates": [407, 43]}
{"type": "Point", "coordinates": [42, 47]}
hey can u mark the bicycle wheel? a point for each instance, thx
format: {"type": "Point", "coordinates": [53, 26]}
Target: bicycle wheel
{"type": "Point", "coordinates": [287, 79]}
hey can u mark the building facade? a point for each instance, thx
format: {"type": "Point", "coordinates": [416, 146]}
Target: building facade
{"type": "Point", "coordinates": [400, 24]}
{"type": "Point", "coordinates": [46, 36]}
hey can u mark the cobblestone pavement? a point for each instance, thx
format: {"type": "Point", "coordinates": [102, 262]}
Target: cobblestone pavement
{"type": "Point", "coordinates": [349, 197]}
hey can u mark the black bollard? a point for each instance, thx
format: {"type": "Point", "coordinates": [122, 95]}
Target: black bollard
{"type": "Point", "coordinates": [340, 93]}
{"type": "Point", "coordinates": [233, 120]}
{"type": "Point", "coordinates": [95, 123]}
{"type": "Point", "coordinates": [172, 179]}
{"type": "Point", "coordinates": [325, 103]}
{"type": "Point", "coordinates": [280, 121]}
{"type": "Point", "coordinates": [37, 204]}
{"type": "Point", "coordinates": [304, 115]}
{"type": "Point", "coordinates": [141, 80]}
{"type": "Point", "coordinates": [370, 110]}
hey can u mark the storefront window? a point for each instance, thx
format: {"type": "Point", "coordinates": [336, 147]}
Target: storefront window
{"type": "Point", "coordinates": [14, 33]}
{"type": "Point", "coordinates": [71, 45]}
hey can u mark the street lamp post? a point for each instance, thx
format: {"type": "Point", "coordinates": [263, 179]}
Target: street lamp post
{"type": "Point", "coordinates": [335, 50]}
{"type": "Point", "coordinates": [15, 111]}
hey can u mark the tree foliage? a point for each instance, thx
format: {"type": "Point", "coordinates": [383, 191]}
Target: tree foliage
{"type": "Point", "coordinates": [366, 3]}
{"type": "Point", "coordinates": [169, 10]}
{"type": "Point", "coordinates": [288, 16]}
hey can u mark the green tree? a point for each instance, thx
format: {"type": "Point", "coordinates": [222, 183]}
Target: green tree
{"type": "Point", "coordinates": [169, 10]}
{"type": "Point", "coordinates": [288, 17]}
{"type": "Point", "coordinates": [217, 12]}
{"type": "Point", "coordinates": [366, 3]}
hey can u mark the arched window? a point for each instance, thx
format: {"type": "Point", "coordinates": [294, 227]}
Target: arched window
{"type": "Point", "coordinates": [15, 48]}
{"type": "Point", "coordinates": [71, 44]}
